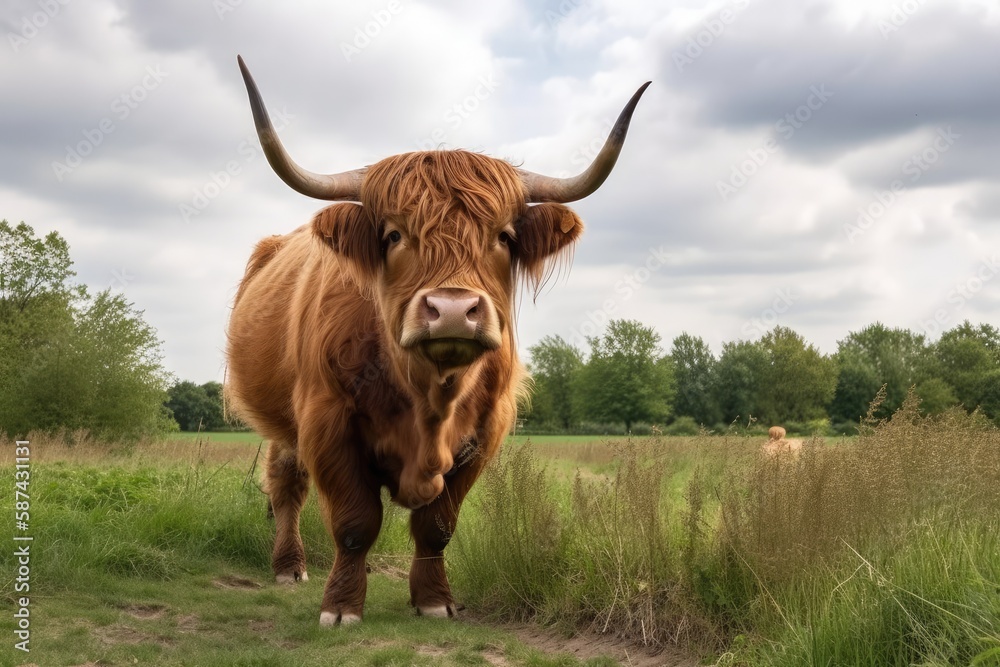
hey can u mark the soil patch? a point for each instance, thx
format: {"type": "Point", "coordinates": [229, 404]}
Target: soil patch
{"type": "Point", "coordinates": [432, 651]}
{"type": "Point", "coordinates": [261, 627]}
{"type": "Point", "coordinates": [145, 612]}
{"type": "Point", "coordinates": [495, 658]}
{"type": "Point", "coordinates": [233, 582]}
{"type": "Point", "coordinates": [188, 623]}
{"type": "Point", "coordinates": [590, 645]}
{"type": "Point", "coordinates": [122, 634]}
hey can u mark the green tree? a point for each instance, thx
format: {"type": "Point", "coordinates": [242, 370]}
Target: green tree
{"type": "Point", "coordinates": [196, 407]}
{"type": "Point", "coordinates": [624, 379]}
{"type": "Point", "coordinates": [121, 355]}
{"type": "Point", "coordinates": [67, 359]}
{"type": "Point", "coordinates": [739, 377]}
{"type": "Point", "coordinates": [873, 357]}
{"type": "Point", "coordinates": [554, 367]}
{"type": "Point", "coordinates": [797, 382]}
{"type": "Point", "coordinates": [968, 359]}
{"type": "Point", "coordinates": [31, 267]}
{"type": "Point", "coordinates": [936, 396]}
{"type": "Point", "coordinates": [43, 387]}
{"type": "Point", "coordinates": [694, 369]}
{"type": "Point", "coordinates": [857, 384]}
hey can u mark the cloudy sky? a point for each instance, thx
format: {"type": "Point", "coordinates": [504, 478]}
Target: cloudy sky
{"type": "Point", "coordinates": [817, 164]}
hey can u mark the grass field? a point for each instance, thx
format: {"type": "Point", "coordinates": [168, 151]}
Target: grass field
{"type": "Point", "coordinates": [879, 550]}
{"type": "Point", "coordinates": [160, 556]}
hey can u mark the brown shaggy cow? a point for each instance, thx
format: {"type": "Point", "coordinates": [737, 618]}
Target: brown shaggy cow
{"type": "Point", "coordinates": [374, 347]}
{"type": "Point", "coordinates": [775, 433]}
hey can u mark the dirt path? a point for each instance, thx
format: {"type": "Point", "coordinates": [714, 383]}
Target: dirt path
{"type": "Point", "coordinates": [583, 647]}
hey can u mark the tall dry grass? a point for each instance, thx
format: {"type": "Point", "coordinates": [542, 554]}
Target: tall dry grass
{"type": "Point", "coordinates": [875, 550]}
{"type": "Point", "coordinates": [595, 551]}
{"type": "Point", "coordinates": [898, 476]}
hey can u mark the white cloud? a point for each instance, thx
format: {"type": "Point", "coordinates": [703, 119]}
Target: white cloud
{"type": "Point", "coordinates": [560, 82]}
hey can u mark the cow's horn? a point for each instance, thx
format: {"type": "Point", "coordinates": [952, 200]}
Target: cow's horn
{"type": "Point", "coordinates": [540, 188]}
{"type": "Point", "coordinates": [345, 186]}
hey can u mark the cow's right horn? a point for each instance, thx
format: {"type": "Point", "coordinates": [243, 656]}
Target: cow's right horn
{"type": "Point", "coordinates": [345, 186]}
{"type": "Point", "coordinates": [539, 188]}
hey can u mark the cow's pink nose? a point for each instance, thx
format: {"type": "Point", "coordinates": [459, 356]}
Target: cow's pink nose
{"type": "Point", "coordinates": [451, 313]}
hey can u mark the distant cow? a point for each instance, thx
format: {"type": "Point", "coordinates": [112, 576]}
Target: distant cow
{"type": "Point", "coordinates": [375, 345]}
{"type": "Point", "coordinates": [776, 433]}
{"type": "Point", "coordinates": [791, 447]}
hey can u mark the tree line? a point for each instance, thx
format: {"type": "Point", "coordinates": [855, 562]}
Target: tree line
{"type": "Point", "coordinates": [626, 378]}
{"type": "Point", "coordinates": [75, 360]}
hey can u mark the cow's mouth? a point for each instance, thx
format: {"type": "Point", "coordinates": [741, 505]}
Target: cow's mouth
{"type": "Point", "coordinates": [452, 352]}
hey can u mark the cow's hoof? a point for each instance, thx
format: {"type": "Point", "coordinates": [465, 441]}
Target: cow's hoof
{"type": "Point", "coordinates": [291, 577]}
{"type": "Point", "coordinates": [328, 619]}
{"type": "Point", "coordinates": [439, 611]}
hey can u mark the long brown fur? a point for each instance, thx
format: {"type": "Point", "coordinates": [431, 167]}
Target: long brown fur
{"type": "Point", "coordinates": [316, 367]}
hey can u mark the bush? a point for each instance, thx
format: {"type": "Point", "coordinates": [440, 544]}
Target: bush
{"type": "Point", "coordinates": [844, 428]}
{"type": "Point", "coordinates": [68, 359]}
{"type": "Point", "coordinates": [683, 426]}
{"type": "Point", "coordinates": [809, 428]}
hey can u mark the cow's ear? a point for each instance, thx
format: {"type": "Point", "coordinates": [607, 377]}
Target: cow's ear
{"type": "Point", "coordinates": [545, 234]}
{"type": "Point", "coordinates": [350, 232]}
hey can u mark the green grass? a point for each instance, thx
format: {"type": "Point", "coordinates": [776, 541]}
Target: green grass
{"type": "Point", "coordinates": [934, 601]}
{"type": "Point", "coordinates": [197, 619]}
{"type": "Point", "coordinates": [882, 549]}
{"type": "Point", "coordinates": [161, 556]}
{"type": "Point", "coordinates": [224, 616]}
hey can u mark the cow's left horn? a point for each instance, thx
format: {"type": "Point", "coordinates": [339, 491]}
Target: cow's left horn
{"type": "Point", "coordinates": [540, 188]}
{"type": "Point", "coordinates": [345, 186]}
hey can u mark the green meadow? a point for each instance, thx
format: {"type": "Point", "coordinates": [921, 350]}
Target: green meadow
{"type": "Point", "coordinates": [882, 549]}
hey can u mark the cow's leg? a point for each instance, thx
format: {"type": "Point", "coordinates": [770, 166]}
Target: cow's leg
{"type": "Point", "coordinates": [352, 507]}
{"type": "Point", "coordinates": [349, 495]}
{"type": "Point", "coordinates": [350, 500]}
{"type": "Point", "coordinates": [287, 484]}
{"type": "Point", "coordinates": [432, 527]}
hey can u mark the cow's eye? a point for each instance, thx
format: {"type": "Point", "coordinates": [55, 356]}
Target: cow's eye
{"type": "Point", "coordinates": [393, 237]}
{"type": "Point", "coordinates": [505, 239]}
